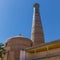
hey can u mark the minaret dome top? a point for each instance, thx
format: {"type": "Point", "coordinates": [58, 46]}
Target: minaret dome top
{"type": "Point", "coordinates": [36, 5]}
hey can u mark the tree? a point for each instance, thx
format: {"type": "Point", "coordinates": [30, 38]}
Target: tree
{"type": "Point", "coordinates": [2, 51]}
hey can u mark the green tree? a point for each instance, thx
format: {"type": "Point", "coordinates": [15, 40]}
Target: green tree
{"type": "Point", "coordinates": [2, 51]}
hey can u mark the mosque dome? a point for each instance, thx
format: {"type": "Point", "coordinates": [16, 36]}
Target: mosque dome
{"type": "Point", "coordinates": [18, 42]}
{"type": "Point", "coordinates": [17, 38]}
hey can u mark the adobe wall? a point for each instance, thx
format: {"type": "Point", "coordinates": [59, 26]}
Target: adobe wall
{"type": "Point", "coordinates": [45, 55]}
{"type": "Point", "coordinates": [14, 45]}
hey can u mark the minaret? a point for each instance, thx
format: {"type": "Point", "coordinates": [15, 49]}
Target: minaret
{"type": "Point", "coordinates": [37, 36]}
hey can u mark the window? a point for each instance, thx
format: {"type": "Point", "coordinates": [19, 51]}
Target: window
{"type": "Point", "coordinates": [37, 10]}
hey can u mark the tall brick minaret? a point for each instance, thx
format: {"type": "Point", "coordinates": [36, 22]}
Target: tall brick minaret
{"type": "Point", "coordinates": [37, 36]}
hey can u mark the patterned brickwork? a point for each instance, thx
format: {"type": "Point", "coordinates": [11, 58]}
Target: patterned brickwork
{"type": "Point", "coordinates": [37, 30]}
{"type": "Point", "coordinates": [14, 45]}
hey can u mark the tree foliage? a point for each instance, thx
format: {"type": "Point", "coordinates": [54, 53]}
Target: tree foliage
{"type": "Point", "coordinates": [2, 50]}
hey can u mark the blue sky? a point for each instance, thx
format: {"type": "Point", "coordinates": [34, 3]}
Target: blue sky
{"type": "Point", "coordinates": [16, 18]}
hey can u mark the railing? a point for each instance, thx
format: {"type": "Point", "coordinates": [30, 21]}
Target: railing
{"type": "Point", "coordinates": [53, 52]}
{"type": "Point", "coordinates": [46, 57]}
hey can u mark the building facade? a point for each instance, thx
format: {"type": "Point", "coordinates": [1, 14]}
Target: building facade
{"type": "Point", "coordinates": [47, 51]}
{"type": "Point", "coordinates": [21, 48]}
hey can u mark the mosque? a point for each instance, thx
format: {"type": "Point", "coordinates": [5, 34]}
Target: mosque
{"type": "Point", "coordinates": [22, 48]}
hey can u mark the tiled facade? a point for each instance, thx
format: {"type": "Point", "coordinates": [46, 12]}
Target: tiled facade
{"type": "Point", "coordinates": [21, 48]}
{"type": "Point", "coordinates": [37, 36]}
